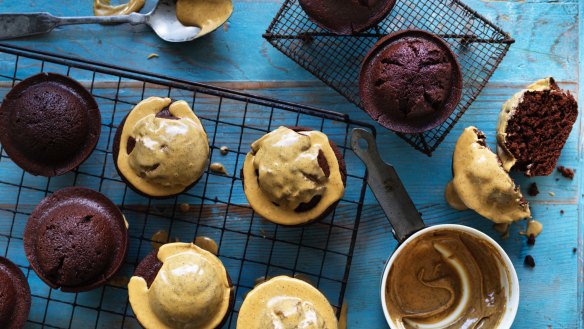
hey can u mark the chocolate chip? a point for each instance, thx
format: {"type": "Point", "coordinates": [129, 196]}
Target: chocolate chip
{"type": "Point", "coordinates": [529, 261]}
{"type": "Point", "coordinates": [533, 190]}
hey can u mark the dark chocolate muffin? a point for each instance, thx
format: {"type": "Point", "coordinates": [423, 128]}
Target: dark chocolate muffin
{"type": "Point", "coordinates": [346, 16]}
{"type": "Point", "coordinates": [14, 296]}
{"type": "Point", "coordinates": [49, 124]}
{"type": "Point", "coordinates": [314, 202]}
{"type": "Point", "coordinates": [76, 239]}
{"type": "Point", "coordinates": [410, 81]}
{"type": "Point", "coordinates": [534, 126]}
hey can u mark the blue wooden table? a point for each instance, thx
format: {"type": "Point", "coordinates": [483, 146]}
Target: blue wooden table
{"type": "Point", "coordinates": [236, 56]}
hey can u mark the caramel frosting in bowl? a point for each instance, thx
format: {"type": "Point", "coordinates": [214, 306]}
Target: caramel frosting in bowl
{"type": "Point", "coordinates": [449, 279]}
{"type": "Point", "coordinates": [190, 291]}
{"type": "Point", "coordinates": [284, 173]}
{"type": "Point", "coordinates": [286, 303]}
{"type": "Point", "coordinates": [162, 155]}
{"type": "Point", "coordinates": [481, 183]}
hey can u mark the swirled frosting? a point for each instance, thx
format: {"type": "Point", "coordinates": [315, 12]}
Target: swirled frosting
{"type": "Point", "coordinates": [454, 282]}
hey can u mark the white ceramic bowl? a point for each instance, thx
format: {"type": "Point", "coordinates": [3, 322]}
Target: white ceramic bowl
{"type": "Point", "coordinates": [509, 279]}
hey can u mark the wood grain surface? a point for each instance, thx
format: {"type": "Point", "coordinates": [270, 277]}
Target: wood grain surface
{"type": "Point", "coordinates": [235, 56]}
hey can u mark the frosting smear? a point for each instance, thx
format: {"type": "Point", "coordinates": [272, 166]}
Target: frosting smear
{"type": "Point", "coordinates": [454, 283]}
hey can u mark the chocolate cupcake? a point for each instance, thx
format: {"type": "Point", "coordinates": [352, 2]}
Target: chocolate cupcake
{"type": "Point", "coordinates": [285, 302]}
{"type": "Point", "coordinates": [346, 16]}
{"type": "Point", "coordinates": [533, 127]}
{"type": "Point", "coordinates": [49, 124]}
{"type": "Point", "coordinates": [76, 239]}
{"type": "Point", "coordinates": [181, 286]}
{"type": "Point", "coordinates": [161, 149]}
{"type": "Point", "coordinates": [294, 176]}
{"type": "Point", "coordinates": [14, 296]}
{"type": "Point", "coordinates": [410, 81]}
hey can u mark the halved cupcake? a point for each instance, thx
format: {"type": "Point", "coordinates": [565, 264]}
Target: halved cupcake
{"type": "Point", "coordinates": [294, 176]}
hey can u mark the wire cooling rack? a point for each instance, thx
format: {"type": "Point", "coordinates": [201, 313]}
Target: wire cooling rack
{"type": "Point", "coordinates": [249, 246]}
{"type": "Point", "coordinates": [336, 60]}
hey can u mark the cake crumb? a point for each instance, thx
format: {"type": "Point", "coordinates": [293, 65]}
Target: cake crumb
{"type": "Point", "coordinates": [551, 193]}
{"type": "Point", "coordinates": [533, 190]}
{"type": "Point", "coordinates": [574, 250]}
{"type": "Point", "coordinates": [529, 261]}
{"type": "Point", "coordinates": [561, 212]}
{"type": "Point", "coordinates": [566, 172]}
{"type": "Point", "coordinates": [218, 168]}
{"type": "Point", "coordinates": [531, 240]}
{"type": "Point", "coordinates": [153, 55]}
{"type": "Point", "coordinates": [184, 207]}
{"type": "Point", "coordinates": [224, 150]}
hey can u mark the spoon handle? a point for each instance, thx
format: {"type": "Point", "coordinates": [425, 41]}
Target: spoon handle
{"type": "Point", "coordinates": [20, 25]}
{"type": "Point", "coordinates": [387, 187]}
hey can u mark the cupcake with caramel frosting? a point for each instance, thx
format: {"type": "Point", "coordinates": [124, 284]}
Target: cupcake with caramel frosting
{"type": "Point", "coordinates": [181, 286]}
{"type": "Point", "coordinates": [293, 176]}
{"type": "Point", "coordinates": [161, 148]}
{"type": "Point", "coordinates": [287, 303]}
{"type": "Point", "coordinates": [481, 183]}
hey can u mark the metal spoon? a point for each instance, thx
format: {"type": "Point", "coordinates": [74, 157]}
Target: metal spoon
{"type": "Point", "coordinates": [162, 19]}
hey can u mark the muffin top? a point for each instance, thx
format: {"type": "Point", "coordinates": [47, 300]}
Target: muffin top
{"type": "Point", "coordinates": [346, 16]}
{"type": "Point", "coordinates": [49, 124]}
{"type": "Point", "coordinates": [162, 147]}
{"type": "Point", "coordinates": [288, 303]}
{"type": "Point", "coordinates": [75, 239]}
{"type": "Point", "coordinates": [180, 286]}
{"type": "Point", "coordinates": [480, 182]}
{"type": "Point", "coordinates": [410, 81]}
{"type": "Point", "coordinates": [292, 177]}
{"type": "Point", "coordinates": [14, 296]}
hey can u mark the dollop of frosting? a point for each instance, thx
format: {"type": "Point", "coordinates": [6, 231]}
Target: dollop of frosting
{"type": "Point", "coordinates": [507, 111]}
{"type": "Point", "coordinates": [190, 291]}
{"type": "Point", "coordinates": [205, 14]}
{"type": "Point", "coordinates": [283, 172]}
{"type": "Point", "coordinates": [455, 282]}
{"type": "Point", "coordinates": [169, 153]}
{"type": "Point", "coordinates": [480, 182]}
{"type": "Point", "coordinates": [291, 313]}
{"type": "Point", "coordinates": [288, 169]}
{"type": "Point", "coordinates": [286, 303]}
{"type": "Point", "coordinates": [104, 7]}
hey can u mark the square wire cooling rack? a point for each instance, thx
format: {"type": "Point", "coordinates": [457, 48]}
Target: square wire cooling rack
{"type": "Point", "coordinates": [249, 246]}
{"type": "Point", "coordinates": [336, 60]}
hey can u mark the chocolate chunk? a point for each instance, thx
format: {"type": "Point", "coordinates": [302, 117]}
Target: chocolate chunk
{"type": "Point", "coordinates": [533, 190]}
{"type": "Point", "coordinates": [529, 261]}
{"type": "Point", "coordinates": [566, 172]}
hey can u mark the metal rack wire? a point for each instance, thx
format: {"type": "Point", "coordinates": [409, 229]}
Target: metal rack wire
{"type": "Point", "coordinates": [336, 60]}
{"type": "Point", "coordinates": [249, 246]}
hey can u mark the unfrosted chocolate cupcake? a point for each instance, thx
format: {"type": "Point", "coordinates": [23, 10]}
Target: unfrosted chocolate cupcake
{"type": "Point", "coordinates": [76, 239]}
{"type": "Point", "coordinates": [14, 296]}
{"type": "Point", "coordinates": [181, 286]}
{"type": "Point", "coordinates": [410, 81]}
{"type": "Point", "coordinates": [297, 184]}
{"type": "Point", "coordinates": [49, 124]}
{"type": "Point", "coordinates": [346, 16]}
